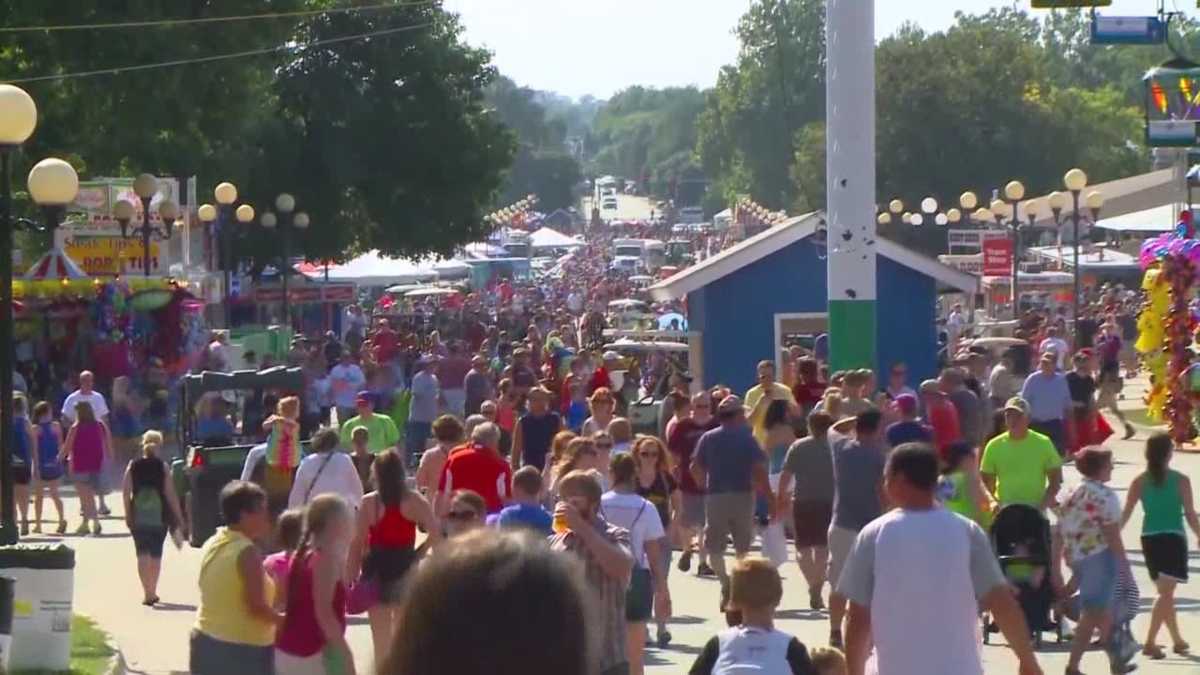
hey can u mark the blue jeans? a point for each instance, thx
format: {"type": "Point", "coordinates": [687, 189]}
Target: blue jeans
{"type": "Point", "coordinates": [1055, 430]}
{"type": "Point", "coordinates": [416, 435]}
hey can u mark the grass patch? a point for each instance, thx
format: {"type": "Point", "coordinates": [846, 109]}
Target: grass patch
{"type": "Point", "coordinates": [1140, 418]}
{"type": "Point", "coordinates": [90, 653]}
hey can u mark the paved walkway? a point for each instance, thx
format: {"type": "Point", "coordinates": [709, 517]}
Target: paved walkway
{"type": "Point", "coordinates": [154, 641]}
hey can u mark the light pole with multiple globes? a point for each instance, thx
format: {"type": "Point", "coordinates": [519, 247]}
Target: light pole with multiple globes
{"type": "Point", "coordinates": [1076, 181]}
{"type": "Point", "coordinates": [219, 216]}
{"type": "Point", "coordinates": [145, 186]}
{"type": "Point", "coordinates": [52, 185]}
{"type": "Point", "coordinates": [285, 204]}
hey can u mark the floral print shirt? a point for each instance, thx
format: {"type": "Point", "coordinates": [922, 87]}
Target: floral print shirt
{"type": "Point", "coordinates": [1088, 508]}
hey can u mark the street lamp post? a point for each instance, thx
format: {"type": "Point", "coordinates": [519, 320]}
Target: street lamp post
{"type": "Point", "coordinates": [1014, 192]}
{"type": "Point", "coordinates": [299, 221]}
{"type": "Point", "coordinates": [145, 186]}
{"type": "Point", "coordinates": [219, 216]}
{"type": "Point", "coordinates": [52, 184]}
{"type": "Point", "coordinates": [1075, 181]}
{"type": "Point", "coordinates": [969, 204]}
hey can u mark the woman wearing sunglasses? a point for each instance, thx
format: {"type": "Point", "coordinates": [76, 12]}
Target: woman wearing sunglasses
{"type": "Point", "coordinates": [656, 485]}
{"type": "Point", "coordinates": [467, 512]}
{"type": "Point", "coordinates": [647, 590]}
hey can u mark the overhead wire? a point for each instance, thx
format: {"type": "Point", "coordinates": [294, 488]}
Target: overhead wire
{"type": "Point", "coordinates": [117, 70]}
{"type": "Point", "coordinates": [150, 23]}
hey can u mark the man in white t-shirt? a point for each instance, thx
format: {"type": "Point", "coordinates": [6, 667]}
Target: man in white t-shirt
{"type": "Point", "coordinates": [84, 394]}
{"type": "Point", "coordinates": [346, 379]}
{"type": "Point", "coordinates": [955, 323]}
{"type": "Point", "coordinates": [1055, 343]}
{"type": "Point", "coordinates": [916, 577]}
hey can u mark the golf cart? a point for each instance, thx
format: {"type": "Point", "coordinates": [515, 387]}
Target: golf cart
{"type": "Point", "coordinates": [643, 413]}
{"type": "Point", "coordinates": [208, 464]}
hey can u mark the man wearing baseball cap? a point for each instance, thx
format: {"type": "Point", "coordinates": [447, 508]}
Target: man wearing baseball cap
{"type": "Point", "coordinates": [731, 466]}
{"type": "Point", "coordinates": [1021, 465]}
{"type": "Point", "coordinates": [1049, 398]}
{"type": "Point", "coordinates": [910, 428]}
{"type": "Point", "coordinates": [382, 433]}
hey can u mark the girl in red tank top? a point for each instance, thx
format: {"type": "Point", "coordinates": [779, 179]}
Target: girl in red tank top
{"type": "Point", "coordinates": [387, 537]}
{"type": "Point", "coordinates": [313, 635]}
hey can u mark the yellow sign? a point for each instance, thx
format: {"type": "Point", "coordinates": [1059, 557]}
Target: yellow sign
{"type": "Point", "coordinates": [111, 255]}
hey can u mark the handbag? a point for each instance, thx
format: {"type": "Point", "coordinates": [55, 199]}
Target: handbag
{"type": "Point", "coordinates": [362, 595]}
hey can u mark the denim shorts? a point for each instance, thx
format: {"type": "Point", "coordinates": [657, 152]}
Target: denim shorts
{"type": "Point", "coordinates": [1097, 576]}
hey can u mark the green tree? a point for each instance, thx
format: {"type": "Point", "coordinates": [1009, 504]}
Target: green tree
{"type": "Point", "coordinates": [184, 120]}
{"type": "Point", "coordinates": [748, 129]}
{"type": "Point", "coordinates": [389, 138]}
{"type": "Point", "coordinates": [646, 133]}
{"type": "Point", "coordinates": [542, 165]}
{"type": "Point", "coordinates": [386, 141]}
{"type": "Point", "coordinates": [954, 116]}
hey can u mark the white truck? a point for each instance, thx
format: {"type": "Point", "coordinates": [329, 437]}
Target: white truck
{"type": "Point", "coordinates": [652, 252]}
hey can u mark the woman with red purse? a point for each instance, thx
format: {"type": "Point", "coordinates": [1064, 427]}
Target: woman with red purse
{"type": "Point", "coordinates": [1086, 425]}
{"type": "Point", "coordinates": [386, 546]}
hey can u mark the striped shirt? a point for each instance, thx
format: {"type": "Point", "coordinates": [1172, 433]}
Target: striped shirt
{"type": "Point", "coordinates": [609, 593]}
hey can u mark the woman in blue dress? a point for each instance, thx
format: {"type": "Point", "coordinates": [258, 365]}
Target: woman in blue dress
{"type": "Point", "coordinates": [49, 466]}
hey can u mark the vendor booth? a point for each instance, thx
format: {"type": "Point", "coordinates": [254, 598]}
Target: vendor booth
{"type": "Point", "coordinates": [1042, 290]}
{"type": "Point", "coordinates": [65, 321]}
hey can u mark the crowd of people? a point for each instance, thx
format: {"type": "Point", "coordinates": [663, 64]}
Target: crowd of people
{"type": "Point", "coordinates": [473, 477]}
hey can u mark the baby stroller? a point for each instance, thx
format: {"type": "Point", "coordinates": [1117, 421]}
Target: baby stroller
{"type": "Point", "coordinates": [1021, 537]}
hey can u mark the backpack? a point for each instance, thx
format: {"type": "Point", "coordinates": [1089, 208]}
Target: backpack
{"type": "Point", "coordinates": [148, 508]}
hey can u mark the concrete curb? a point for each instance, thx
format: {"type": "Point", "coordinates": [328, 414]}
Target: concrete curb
{"type": "Point", "coordinates": [116, 662]}
{"type": "Point", "coordinates": [116, 665]}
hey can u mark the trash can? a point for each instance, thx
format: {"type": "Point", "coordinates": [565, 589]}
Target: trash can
{"type": "Point", "coordinates": [44, 580]}
{"type": "Point", "coordinates": [6, 617]}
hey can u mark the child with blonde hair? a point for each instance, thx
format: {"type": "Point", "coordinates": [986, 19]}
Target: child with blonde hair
{"type": "Point", "coordinates": [283, 448]}
{"type": "Point", "coordinates": [828, 661]}
{"type": "Point", "coordinates": [755, 590]}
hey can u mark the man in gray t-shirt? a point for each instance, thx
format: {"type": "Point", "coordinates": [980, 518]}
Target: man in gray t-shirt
{"type": "Point", "coordinates": [857, 499]}
{"type": "Point", "coordinates": [477, 385]}
{"type": "Point", "coordinates": [731, 466]}
{"type": "Point", "coordinates": [919, 608]}
{"type": "Point", "coordinates": [966, 404]}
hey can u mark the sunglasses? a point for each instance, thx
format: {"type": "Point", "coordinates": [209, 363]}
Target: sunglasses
{"type": "Point", "coordinates": [462, 515]}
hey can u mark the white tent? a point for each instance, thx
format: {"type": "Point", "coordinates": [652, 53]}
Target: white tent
{"type": "Point", "coordinates": [373, 269]}
{"type": "Point", "coordinates": [483, 249]}
{"type": "Point", "coordinates": [452, 269]}
{"type": "Point", "coordinates": [551, 238]}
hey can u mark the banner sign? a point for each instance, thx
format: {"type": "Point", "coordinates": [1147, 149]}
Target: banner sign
{"type": "Point", "coordinates": [997, 257]}
{"type": "Point", "coordinates": [91, 212]}
{"type": "Point", "coordinates": [307, 294]}
{"type": "Point", "coordinates": [110, 256]}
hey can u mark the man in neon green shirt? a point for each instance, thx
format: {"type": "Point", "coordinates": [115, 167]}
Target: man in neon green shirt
{"type": "Point", "coordinates": [1021, 466]}
{"type": "Point", "coordinates": [381, 430]}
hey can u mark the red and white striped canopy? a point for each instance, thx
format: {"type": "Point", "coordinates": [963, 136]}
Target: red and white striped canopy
{"type": "Point", "coordinates": [55, 264]}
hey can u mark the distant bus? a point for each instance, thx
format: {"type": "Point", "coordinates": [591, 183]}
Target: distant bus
{"type": "Point", "coordinates": [652, 252]}
{"type": "Point", "coordinates": [691, 214]}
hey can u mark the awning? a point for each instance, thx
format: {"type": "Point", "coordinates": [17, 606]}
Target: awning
{"type": "Point", "coordinates": [550, 238]}
{"type": "Point", "coordinates": [55, 264]}
{"type": "Point", "coordinates": [1157, 219]}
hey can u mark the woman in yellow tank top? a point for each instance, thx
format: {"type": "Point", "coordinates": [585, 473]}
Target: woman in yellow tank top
{"type": "Point", "coordinates": [235, 625]}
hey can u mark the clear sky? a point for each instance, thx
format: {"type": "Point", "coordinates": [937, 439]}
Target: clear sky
{"type": "Point", "coordinates": [597, 47]}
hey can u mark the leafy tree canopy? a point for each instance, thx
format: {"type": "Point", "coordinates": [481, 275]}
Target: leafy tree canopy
{"type": "Point", "coordinates": [386, 141]}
